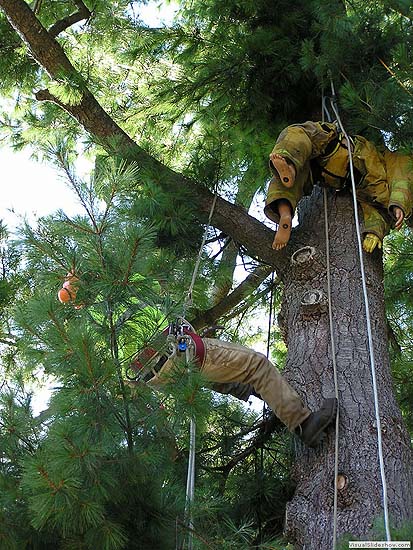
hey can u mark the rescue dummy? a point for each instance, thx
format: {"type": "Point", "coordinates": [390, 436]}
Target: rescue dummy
{"type": "Point", "coordinates": [316, 152]}
{"type": "Point", "coordinates": [69, 289]}
{"type": "Point", "coordinates": [224, 363]}
{"type": "Point", "coordinates": [67, 294]}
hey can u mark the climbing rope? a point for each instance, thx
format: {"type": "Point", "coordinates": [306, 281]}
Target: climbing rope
{"type": "Point", "coordinates": [188, 298]}
{"type": "Point", "coordinates": [190, 479]}
{"type": "Point", "coordinates": [334, 107]}
{"type": "Point", "coordinates": [264, 406]}
{"type": "Point", "coordinates": [177, 339]}
{"type": "Point", "coordinates": [333, 354]}
{"type": "Point", "coordinates": [333, 344]}
{"type": "Point", "coordinates": [270, 315]}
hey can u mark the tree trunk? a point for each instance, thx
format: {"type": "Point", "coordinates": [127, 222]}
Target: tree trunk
{"type": "Point", "coordinates": [309, 514]}
{"type": "Point", "coordinates": [309, 518]}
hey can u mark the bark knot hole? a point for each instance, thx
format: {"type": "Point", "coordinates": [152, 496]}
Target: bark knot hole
{"type": "Point", "coordinates": [313, 303]}
{"type": "Point", "coordinates": [313, 298]}
{"type": "Point", "coordinates": [303, 256]}
{"type": "Point", "coordinates": [342, 481]}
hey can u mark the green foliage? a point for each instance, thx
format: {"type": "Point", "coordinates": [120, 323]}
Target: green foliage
{"type": "Point", "coordinates": [398, 282]}
{"type": "Point", "coordinates": [65, 92]}
{"type": "Point", "coordinates": [105, 465]}
{"type": "Point", "coordinates": [74, 476]}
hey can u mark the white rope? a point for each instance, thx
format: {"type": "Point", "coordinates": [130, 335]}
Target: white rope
{"type": "Point", "coordinates": [368, 321]}
{"type": "Point", "coordinates": [190, 482]}
{"type": "Point", "coordinates": [188, 299]}
{"type": "Point", "coordinates": [333, 354]}
{"type": "Point", "coordinates": [190, 478]}
{"type": "Point", "coordinates": [333, 343]}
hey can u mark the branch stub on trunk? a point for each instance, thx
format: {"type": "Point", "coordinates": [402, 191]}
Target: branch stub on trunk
{"type": "Point", "coordinates": [313, 303]}
{"type": "Point", "coordinates": [305, 262]}
{"type": "Point", "coordinates": [303, 256]}
{"type": "Point", "coordinates": [342, 481]}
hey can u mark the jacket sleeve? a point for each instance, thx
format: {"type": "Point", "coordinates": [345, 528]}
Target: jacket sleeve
{"type": "Point", "coordinates": [399, 169]}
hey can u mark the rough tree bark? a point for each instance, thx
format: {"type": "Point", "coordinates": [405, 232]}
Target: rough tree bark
{"type": "Point", "coordinates": [309, 519]}
{"type": "Point", "coordinates": [309, 514]}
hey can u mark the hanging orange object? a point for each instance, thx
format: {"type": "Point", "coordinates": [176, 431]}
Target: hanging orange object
{"type": "Point", "coordinates": [64, 295]}
{"type": "Point", "coordinates": [69, 290]}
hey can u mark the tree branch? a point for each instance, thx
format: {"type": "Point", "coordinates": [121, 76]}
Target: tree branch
{"type": "Point", "coordinates": [254, 279]}
{"type": "Point", "coordinates": [60, 26]}
{"type": "Point", "coordinates": [270, 425]}
{"type": "Point", "coordinates": [37, 6]}
{"type": "Point", "coordinates": [229, 218]}
{"type": "Point", "coordinates": [8, 342]}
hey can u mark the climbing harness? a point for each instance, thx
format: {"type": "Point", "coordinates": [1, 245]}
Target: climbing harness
{"type": "Point", "coordinates": [171, 343]}
{"type": "Point", "coordinates": [334, 163]}
{"type": "Point", "coordinates": [333, 103]}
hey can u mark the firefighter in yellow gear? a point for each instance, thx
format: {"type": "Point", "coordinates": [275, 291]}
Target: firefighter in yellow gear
{"type": "Point", "coordinates": [316, 152]}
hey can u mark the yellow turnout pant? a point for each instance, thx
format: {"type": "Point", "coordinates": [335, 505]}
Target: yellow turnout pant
{"type": "Point", "coordinates": [384, 178]}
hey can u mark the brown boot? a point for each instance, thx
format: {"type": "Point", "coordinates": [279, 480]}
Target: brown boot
{"type": "Point", "coordinates": [312, 430]}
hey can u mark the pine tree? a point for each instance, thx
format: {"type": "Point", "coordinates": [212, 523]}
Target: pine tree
{"type": "Point", "coordinates": [105, 465]}
{"type": "Point", "coordinates": [90, 478]}
{"type": "Point", "coordinates": [196, 107]}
